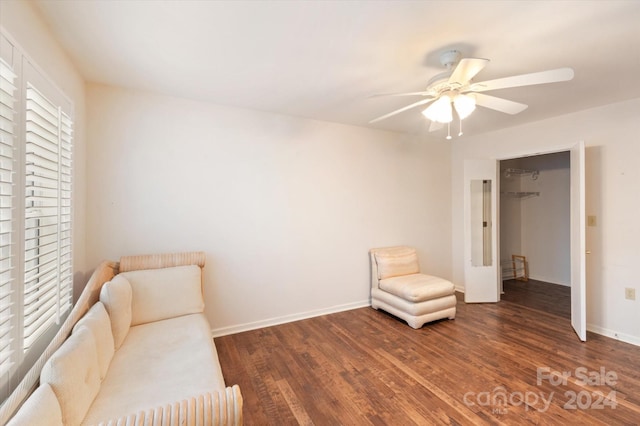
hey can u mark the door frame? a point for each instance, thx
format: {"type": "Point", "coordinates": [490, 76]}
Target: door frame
{"type": "Point", "coordinates": [578, 319]}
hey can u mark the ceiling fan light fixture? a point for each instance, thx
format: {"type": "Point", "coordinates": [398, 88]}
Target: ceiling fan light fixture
{"type": "Point", "coordinates": [440, 111]}
{"type": "Point", "coordinates": [464, 105]}
{"type": "Point", "coordinates": [448, 90]}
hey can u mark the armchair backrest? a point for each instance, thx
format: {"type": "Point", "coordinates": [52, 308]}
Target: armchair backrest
{"type": "Point", "coordinates": [387, 262]}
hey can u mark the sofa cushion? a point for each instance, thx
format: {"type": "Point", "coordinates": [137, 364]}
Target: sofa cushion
{"type": "Point", "coordinates": [116, 297]}
{"type": "Point", "coordinates": [397, 261]}
{"type": "Point", "coordinates": [417, 287]}
{"type": "Point", "coordinates": [41, 408]}
{"type": "Point", "coordinates": [159, 294]}
{"type": "Point", "coordinates": [98, 322]}
{"type": "Point", "coordinates": [159, 363]}
{"type": "Point", "coordinates": [74, 375]}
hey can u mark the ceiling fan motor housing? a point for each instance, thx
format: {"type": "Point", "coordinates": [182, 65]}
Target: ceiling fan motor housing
{"type": "Point", "coordinates": [439, 83]}
{"type": "Point", "coordinates": [450, 58]}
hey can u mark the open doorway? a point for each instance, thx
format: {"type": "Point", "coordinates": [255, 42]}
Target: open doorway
{"type": "Point", "coordinates": [535, 237]}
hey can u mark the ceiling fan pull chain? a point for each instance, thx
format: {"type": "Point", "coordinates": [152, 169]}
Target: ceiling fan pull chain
{"type": "Point", "coordinates": [448, 130]}
{"type": "Point", "coordinates": [460, 133]}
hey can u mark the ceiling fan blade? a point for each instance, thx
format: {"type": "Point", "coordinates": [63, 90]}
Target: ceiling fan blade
{"type": "Point", "coordinates": [499, 104]}
{"type": "Point", "coordinates": [378, 95]}
{"type": "Point", "coordinates": [398, 111]}
{"type": "Point", "coordinates": [467, 69]}
{"type": "Point", "coordinates": [550, 76]}
{"type": "Point", "coordinates": [435, 126]}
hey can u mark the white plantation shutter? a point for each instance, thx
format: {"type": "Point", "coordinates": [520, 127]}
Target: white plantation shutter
{"type": "Point", "coordinates": [36, 269]}
{"type": "Point", "coordinates": [47, 244]}
{"type": "Point", "coordinates": [7, 138]}
{"type": "Point", "coordinates": [65, 262]}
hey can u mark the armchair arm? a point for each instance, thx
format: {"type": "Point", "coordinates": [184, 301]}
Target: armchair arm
{"type": "Point", "coordinates": [223, 408]}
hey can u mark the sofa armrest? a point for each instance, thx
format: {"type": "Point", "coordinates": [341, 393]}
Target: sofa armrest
{"type": "Point", "coordinates": [157, 261]}
{"type": "Point", "coordinates": [223, 408]}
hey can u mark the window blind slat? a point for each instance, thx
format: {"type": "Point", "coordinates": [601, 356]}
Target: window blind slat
{"type": "Point", "coordinates": [42, 139]}
{"type": "Point", "coordinates": [37, 270]}
{"type": "Point", "coordinates": [42, 115]}
{"type": "Point", "coordinates": [6, 146]}
{"type": "Point", "coordinates": [7, 87]}
{"type": "Point", "coordinates": [40, 298]}
{"type": "Point", "coordinates": [41, 130]}
{"type": "Point", "coordinates": [36, 172]}
{"type": "Point", "coordinates": [49, 146]}
{"type": "Point", "coordinates": [7, 100]}
{"type": "Point", "coordinates": [41, 181]}
{"type": "Point", "coordinates": [34, 94]}
{"type": "Point", "coordinates": [6, 124]}
{"type": "Point", "coordinates": [37, 153]}
{"type": "Point", "coordinates": [6, 73]}
{"type": "Point", "coordinates": [43, 321]}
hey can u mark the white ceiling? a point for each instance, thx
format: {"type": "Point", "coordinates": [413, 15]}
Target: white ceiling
{"type": "Point", "coordinates": [322, 59]}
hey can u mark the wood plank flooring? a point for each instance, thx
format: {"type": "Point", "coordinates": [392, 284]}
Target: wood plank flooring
{"type": "Point", "coordinates": [552, 298]}
{"type": "Point", "coordinates": [365, 367]}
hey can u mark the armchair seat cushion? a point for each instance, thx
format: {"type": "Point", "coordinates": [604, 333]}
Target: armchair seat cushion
{"type": "Point", "coordinates": [417, 287]}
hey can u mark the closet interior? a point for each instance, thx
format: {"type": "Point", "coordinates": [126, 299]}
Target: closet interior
{"type": "Point", "coordinates": [535, 253]}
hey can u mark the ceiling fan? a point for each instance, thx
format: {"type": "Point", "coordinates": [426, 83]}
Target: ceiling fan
{"type": "Point", "coordinates": [454, 90]}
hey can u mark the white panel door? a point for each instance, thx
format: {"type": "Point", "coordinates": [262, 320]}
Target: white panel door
{"type": "Point", "coordinates": [481, 255]}
{"type": "Point", "coordinates": [578, 244]}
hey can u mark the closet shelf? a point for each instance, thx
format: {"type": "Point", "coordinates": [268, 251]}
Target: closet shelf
{"type": "Point", "coordinates": [521, 194]}
{"type": "Point", "coordinates": [521, 173]}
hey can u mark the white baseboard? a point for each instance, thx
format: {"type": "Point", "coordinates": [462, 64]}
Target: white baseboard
{"type": "Point", "coordinates": [549, 280]}
{"type": "Point", "coordinates": [627, 338]}
{"type": "Point", "coordinates": [224, 331]}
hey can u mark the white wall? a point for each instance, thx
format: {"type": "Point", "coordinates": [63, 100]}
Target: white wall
{"type": "Point", "coordinates": [541, 230]}
{"type": "Point", "coordinates": [611, 134]}
{"type": "Point", "coordinates": [510, 214]}
{"type": "Point", "coordinates": [285, 208]}
{"type": "Point", "coordinates": [25, 25]}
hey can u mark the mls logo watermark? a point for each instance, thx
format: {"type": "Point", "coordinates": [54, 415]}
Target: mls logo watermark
{"type": "Point", "coordinates": [500, 400]}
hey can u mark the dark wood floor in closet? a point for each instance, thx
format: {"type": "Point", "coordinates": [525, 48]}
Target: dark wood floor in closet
{"type": "Point", "coordinates": [364, 367]}
{"type": "Point", "coordinates": [552, 298]}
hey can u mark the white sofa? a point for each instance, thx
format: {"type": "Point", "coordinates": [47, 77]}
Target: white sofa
{"type": "Point", "coordinates": [142, 354]}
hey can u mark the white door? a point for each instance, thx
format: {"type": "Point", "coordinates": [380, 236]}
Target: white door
{"type": "Point", "coordinates": [578, 244]}
{"type": "Point", "coordinates": [481, 255]}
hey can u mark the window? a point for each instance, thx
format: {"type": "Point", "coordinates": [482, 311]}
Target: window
{"type": "Point", "coordinates": [36, 275]}
{"type": "Point", "coordinates": [48, 283]}
{"type": "Point", "coordinates": [7, 138]}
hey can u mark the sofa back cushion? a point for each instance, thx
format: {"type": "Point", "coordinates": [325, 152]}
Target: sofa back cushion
{"type": "Point", "coordinates": [397, 261]}
{"type": "Point", "coordinates": [41, 408]}
{"type": "Point", "coordinates": [159, 294]}
{"type": "Point", "coordinates": [116, 297]}
{"type": "Point", "coordinates": [98, 322]}
{"type": "Point", "coordinates": [73, 373]}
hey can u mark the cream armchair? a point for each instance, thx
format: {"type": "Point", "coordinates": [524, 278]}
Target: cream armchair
{"type": "Point", "coordinates": [398, 287]}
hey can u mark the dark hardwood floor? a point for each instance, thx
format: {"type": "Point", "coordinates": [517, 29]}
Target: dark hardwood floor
{"type": "Point", "coordinates": [364, 367]}
{"type": "Point", "coordinates": [552, 298]}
